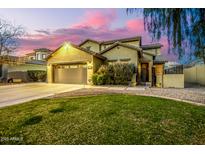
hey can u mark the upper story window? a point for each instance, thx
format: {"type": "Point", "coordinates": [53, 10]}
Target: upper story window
{"type": "Point", "coordinates": [38, 56]}
{"type": "Point", "coordinates": [44, 56]}
{"type": "Point", "coordinates": [88, 47]}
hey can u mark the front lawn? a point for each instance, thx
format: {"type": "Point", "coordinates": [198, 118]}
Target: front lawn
{"type": "Point", "coordinates": [103, 119]}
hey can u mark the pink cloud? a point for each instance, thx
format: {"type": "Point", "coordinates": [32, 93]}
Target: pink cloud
{"type": "Point", "coordinates": [95, 25]}
{"type": "Point", "coordinates": [97, 19]}
{"type": "Point", "coordinates": [136, 25]}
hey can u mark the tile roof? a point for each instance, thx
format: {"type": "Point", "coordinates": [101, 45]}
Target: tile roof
{"type": "Point", "coordinates": [31, 54]}
{"type": "Point", "coordinates": [137, 38]}
{"type": "Point", "coordinates": [91, 40]}
{"type": "Point", "coordinates": [43, 50]}
{"type": "Point", "coordinates": [160, 59]}
{"type": "Point", "coordinates": [121, 44]}
{"type": "Point", "coordinates": [113, 41]}
{"type": "Point", "coordinates": [151, 46]}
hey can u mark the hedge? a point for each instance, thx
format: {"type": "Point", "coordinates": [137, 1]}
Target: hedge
{"type": "Point", "coordinates": [118, 74]}
{"type": "Point", "coordinates": [37, 75]}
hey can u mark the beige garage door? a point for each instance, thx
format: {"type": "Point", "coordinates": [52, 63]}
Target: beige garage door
{"type": "Point", "coordinates": [73, 74]}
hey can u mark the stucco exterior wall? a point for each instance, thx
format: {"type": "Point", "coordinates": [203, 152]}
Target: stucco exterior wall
{"type": "Point", "coordinates": [173, 80]}
{"type": "Point", "coordinates": [93, 46]}
{"type": "Point", "coordinates": [149, 57]}
{"type": "Point", "coordinates": [96, 64]}
{"type": "Point", "coordinates": [105, 46]}
{"type": "Point", "coordinates": [68, 54]}
{"type": "Point", "coordinates": [159, 74]}
{"type": "Point", "coordinates": [119, 52]}
{"type": "Point", "coordinates": [195, 74]}
{"type": "Point", "coordinates": [135, 43]}
{"type": "Point", "coordinates": [50, 73]}
{"type": "Point", "coordinates": [152, 51]}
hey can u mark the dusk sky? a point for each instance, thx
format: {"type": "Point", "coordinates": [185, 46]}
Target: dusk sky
{"type": "Point", "coordinates": [49, 28]}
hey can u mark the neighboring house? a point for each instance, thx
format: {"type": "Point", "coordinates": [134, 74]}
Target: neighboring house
{"type": "Point", "coordinates": [76, 64]}
{"type": "Point", "coordinates": [16, 67]}
{"type": "Point", "coordinates": [39, 54]}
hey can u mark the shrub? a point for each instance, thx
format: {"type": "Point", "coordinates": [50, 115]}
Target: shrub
{"type": "Point", "coordinates": [114, 74]}
{"type": "Point", "coordinates": [101, 79]}
{"type": "Point", "coordinates": [37, 75]}
{"type": "Point", "coordinates": [94, 79]}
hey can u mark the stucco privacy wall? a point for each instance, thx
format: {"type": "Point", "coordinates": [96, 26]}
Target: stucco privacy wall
{"type": "Point", "coordinates": [93, 46]}
{"type": "Point", "coordinates": [173, 80]}
{"type": "Point", "coordinates": [135, 43]}
{"type": "Point", "coordinates": [20, 71]}
{"type": "Point", "coordinates": [195, 74]}
{"type": "Point", "coordinates": [26, 67]}
{"type": "Point", "coordinates": [119, 53]}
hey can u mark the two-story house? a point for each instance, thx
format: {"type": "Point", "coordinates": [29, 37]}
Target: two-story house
{"type": "Point", "coordinates": [39, 54]}
{"type": "Point", "coordinates": [76, 63]}
{"type": "Point", "coordinates": [15, 67]}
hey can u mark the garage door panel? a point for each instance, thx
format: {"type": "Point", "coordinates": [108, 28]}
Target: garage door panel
{"type": "Point", "coordinates": [70, 75]}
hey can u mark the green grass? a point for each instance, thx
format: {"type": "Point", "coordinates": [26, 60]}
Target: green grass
{"type": "Point", "coordinates": [103, 119]}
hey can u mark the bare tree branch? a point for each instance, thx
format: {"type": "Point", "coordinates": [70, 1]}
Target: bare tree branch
{"type": "Point", "coordinates": [9, 35]}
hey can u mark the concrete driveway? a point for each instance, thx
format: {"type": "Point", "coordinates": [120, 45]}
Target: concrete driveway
{"type": "Point", "coordinates": [15, 94]}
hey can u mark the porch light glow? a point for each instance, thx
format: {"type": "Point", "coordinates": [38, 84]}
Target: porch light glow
{"type": "Point", "coordinates": [66, 45]}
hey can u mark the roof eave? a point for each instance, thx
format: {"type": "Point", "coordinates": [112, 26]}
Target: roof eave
{"type": "Point", "coordinates": [87, 41]}
{"type": "Point", "coordinates": [159, 62]}
{"type": "Point", "coordinates": [138, 38]}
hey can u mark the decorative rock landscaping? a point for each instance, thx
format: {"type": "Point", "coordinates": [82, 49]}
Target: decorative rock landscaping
{"type": "Point", "coordinates": [192, 95]}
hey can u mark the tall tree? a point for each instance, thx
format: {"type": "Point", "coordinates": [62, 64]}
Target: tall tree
{"type": "Point", "coordinates": [201, 54]}
{"type": "Point", "coordinates": [9, 35]}
{"type": "Point", "coordinates": [184, 28]}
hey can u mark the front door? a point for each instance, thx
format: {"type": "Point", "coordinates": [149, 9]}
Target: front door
{"type": "Point", "coordinates": [153, 77]}
{"type": "Point", "coordinates": [145, 73]}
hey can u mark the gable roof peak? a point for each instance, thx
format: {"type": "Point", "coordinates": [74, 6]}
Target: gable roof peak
{"type": "Point", "coordinates": [123, 45]}
{"type": "Point", "coordinates": [88, 39]}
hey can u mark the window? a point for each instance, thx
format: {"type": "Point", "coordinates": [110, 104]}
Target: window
{"type": "Point", "coordinates": [125, 60]}
{"type": "Point", "coordinates": [73, 66]}
{"type": "Point", "coordinates": [113, 61]}
{"type": "Point", "coordinates": [88, 47]}
{"type": "Point", "coordinates": [44, 56]}
{"type": "Point", "coordinates": [38, 56]}
{"type": "Point", "coordinates": [66, 66]}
